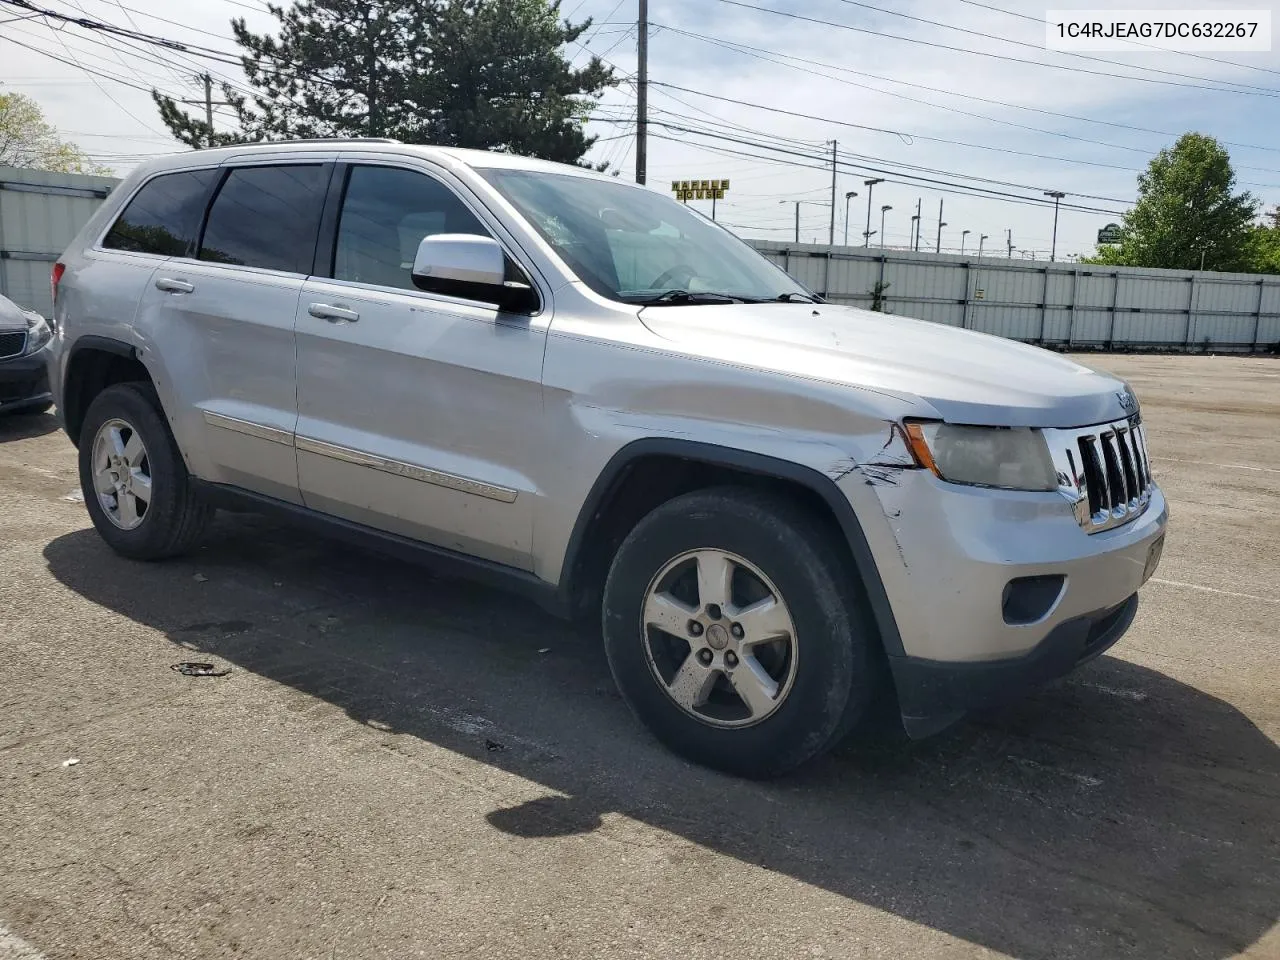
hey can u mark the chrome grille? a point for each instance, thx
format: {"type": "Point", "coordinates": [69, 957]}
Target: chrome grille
{"type": "Point", "coordinates": [12, 344]}
{"type": "Point", "coordinates": [1104, 472]}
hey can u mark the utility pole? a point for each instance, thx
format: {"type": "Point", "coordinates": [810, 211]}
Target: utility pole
{"type": "Point", "coordinates": [1057, 197]}
{"type": "Point", "coordinates": [847, 197]}
{"type": "Point", "coordinates": [797, 221]}
{"type": "Point", "coordinates": [919, 204]}
{"type": "Point", "coordinates": [209, 103]}
{"type": "Point", "coordinates": [1009, 242]}
{"type": "Point", "coordinates": [981, 240]}
{"type": "Point", "coordinates": [208, 106]}
{"type": "Point", "coordinates": [831, 234]}
{"type": "Point", "coordinates": [870, 185]}
{"type": "Point", "coordinates": [642, 93]}
{"type": "Point", "coordinates": [941, 224]}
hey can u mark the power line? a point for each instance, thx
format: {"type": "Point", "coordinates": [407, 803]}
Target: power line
{"type": "Point", "coordinates": [1259, 92]}
{"type": "Point", "coordinates": [769, 56]}
{"type": "Point", "coordinates": [70, 63]}
{"type": "Point", "coordinates": [823, 163]}
{"type": "Point", "coordinates": [125, 110]}
{"type": "Point", "coordinates": [1136, 43]}
{"type": "Point", "coordinates": [906, 137]}
{"type": "Point", "coordinates": [1039, 47]}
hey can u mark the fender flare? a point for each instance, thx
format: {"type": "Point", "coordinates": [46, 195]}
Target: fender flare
{"type": "Point", "coordinates": [750, 462]}
{"type": "Point", "coordinates": [87, 342]}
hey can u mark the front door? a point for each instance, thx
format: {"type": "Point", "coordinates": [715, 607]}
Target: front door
{"type": "Point", "coordinates": [417, 412]}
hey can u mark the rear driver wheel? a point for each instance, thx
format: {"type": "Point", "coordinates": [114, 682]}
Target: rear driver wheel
{"type": "Point", "coordinates": [135, 485]}
{"type": "Point", "coordinates": [733, 633]}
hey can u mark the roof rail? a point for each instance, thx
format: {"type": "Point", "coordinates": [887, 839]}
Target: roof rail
{"type": "Point", "coordinates": [258, 143]}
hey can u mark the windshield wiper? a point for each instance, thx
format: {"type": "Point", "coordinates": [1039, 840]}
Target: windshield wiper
{"type": "Point", "coordinates": [677, 297]}
{"type": "Point", "coordinates": [796, 298]}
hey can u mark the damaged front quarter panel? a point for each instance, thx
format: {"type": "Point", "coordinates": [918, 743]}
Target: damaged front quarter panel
{"type": "Point", "coordinates": [883, 467]}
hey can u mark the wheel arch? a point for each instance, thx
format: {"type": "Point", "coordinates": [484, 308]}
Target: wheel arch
{"type": "Point", "coordinates": [93, 364]}
{"type": "Point", "coordinates": [607, 513]}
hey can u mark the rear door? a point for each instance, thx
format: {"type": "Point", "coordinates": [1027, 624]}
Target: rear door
{"type": "Point", "coordinates": [418, 412]}
{"type": "Point", "coordinates": [224, 320]}
{"type": "Point", "coordinates": [102, 288]}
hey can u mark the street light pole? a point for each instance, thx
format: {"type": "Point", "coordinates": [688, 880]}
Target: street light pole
{"type": "Point", "coordinates": [1057, 198]}
{"type": "Point", "coordinates": [797, 203]}
{"type": "Point", "coordinates": [870, 185]}
{"type": "Point", "coordinates": [847, 197]}
{"type": "Point", "coordinates": [963, 234]}
{"type": "Point", "coordinates": [884, 209]}
{"type": "Point", "coordinates": [981, 240]}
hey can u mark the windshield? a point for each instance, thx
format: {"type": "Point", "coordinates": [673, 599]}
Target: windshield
{"type": "Point", "coordinates": [634, 245]}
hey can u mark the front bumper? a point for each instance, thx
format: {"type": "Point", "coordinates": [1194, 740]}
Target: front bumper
{"type": "Point", "coordinates": [949, 557]}
{"type": "Point", "coordinates": [933, 693]}
{"type": "Point", "coordinates": [24, 381]}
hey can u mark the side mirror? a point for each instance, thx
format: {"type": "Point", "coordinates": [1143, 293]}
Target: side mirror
{"type": "Point", "coordinates": [458, 258]}
{"type": "Point", "coordinates": [469, 266]}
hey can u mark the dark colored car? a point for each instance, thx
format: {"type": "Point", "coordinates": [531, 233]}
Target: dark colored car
{"type": "Point", "coordinates": [24, 346]}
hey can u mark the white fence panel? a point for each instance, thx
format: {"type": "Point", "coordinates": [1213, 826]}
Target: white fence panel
{"type": "Point", "coordinates": [40, 214]}
{"type": "Point", "coordinates": [1058, 304]}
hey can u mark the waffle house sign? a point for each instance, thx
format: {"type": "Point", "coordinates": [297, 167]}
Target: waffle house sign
{"type": "Point", "coordinates": [686, 190]}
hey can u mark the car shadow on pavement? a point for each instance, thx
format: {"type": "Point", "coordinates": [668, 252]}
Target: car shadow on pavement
{"type": "Point", "coordinates": [1120, 812]}
{"type": "Point", "coordinates": [26, 426]}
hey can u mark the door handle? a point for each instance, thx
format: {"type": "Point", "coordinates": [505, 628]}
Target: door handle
{"type": "Point", "coordinates": [333, 313]}
{"type": "Point", "coordinates": [174, 286]}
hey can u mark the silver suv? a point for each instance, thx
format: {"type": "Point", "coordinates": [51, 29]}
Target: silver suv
{"type": "Point", "coordinates": [781, 510]}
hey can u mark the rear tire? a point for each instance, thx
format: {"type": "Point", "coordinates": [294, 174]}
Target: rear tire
{"type": "Point", "coordinates": [135, 484]}
{"type": "Point", "coordinates": [754, 686]}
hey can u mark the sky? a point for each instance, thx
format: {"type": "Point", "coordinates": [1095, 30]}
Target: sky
{"type": "Point", "coordinates": [874, 76]}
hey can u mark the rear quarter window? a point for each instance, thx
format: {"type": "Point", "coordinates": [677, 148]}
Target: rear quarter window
{"type": "Point", "coordinates": [163, 217]}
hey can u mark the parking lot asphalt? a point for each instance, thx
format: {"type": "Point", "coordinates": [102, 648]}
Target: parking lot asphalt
{"type": "Point", "coordinates": [399, 765]}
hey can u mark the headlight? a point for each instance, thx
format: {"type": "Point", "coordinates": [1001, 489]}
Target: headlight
{"type": "Point", "coordinates": [1011, 458]}
{"type": "Point", "coordinates": [38, 332]}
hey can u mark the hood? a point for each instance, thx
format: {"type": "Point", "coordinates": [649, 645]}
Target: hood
{"type": "Point", "coordinates": [967, 377]}
{"type": "Point", "coordinates": [12, 316]}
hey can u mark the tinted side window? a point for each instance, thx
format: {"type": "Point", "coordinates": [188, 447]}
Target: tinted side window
{"type": "Point", "coordinates": [164, 215]}
{"type": "Point", "coordinates": [266, 217]}
{"type": "Point", "coordinates": [385, 214]}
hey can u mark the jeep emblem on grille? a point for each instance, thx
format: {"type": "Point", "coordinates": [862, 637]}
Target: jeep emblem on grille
{"type": "Point", "coordinates": [1127, 400]}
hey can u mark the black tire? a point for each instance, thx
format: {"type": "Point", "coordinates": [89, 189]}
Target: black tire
{"type": "Point", "coordinates": [837, 668]}
{"type": "Point", "coordinates": [176, 516]}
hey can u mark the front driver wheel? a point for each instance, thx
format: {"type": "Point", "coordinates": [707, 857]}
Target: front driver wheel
{"type": "Point", "coordinates": [733, 633]}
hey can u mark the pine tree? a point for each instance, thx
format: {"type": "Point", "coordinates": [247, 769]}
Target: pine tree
{"type": "Point", "coordinates": [491, 75]}
{"type": "Point", "coordinates": [473, 73]}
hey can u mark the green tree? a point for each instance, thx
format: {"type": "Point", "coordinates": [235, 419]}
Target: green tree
{"type": "Point", "coordinates": [28, 140]}
{"type": "Point", "coordinates": [489, 74]}
{"type": "Point", "coordinates": [1266, 245]}
{"type": "Point", "coordinates": [1187, 213]}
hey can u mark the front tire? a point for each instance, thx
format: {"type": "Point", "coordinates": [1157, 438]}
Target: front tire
{"type": "Point", "coordinates": [734, 633]}
{"type": "Point", "coordinates": [135, 485]}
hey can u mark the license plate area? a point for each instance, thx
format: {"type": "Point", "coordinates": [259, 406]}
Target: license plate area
{"type": "Point", "coordinates": [1154, 552]}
